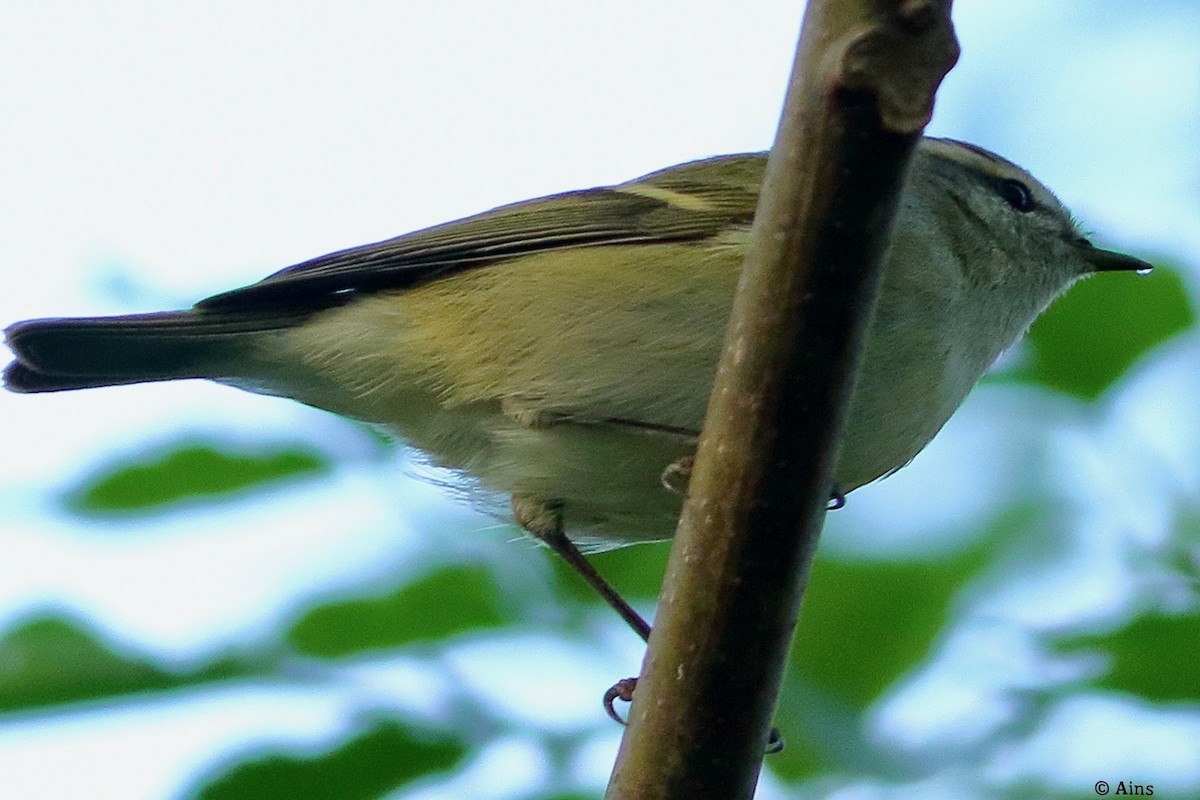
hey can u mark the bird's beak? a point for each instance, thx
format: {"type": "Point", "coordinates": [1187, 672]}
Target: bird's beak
{"type": "Point", "coordinates": [1112, 261]}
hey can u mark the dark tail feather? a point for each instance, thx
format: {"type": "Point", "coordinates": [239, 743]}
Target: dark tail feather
{"type": "Point", "coordinates": [59, 354]}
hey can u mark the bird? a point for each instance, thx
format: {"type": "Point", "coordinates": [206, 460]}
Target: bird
{"type": "Point", "coordinates": [557, 354]}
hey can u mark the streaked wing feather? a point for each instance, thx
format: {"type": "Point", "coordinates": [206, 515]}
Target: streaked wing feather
{"type": "Point", "coordinates": [609, 216]}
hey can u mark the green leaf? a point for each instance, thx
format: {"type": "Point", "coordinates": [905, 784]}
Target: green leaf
{"type": "Point", "coordinates": [450, 601]}
{"type": "Point", "coordinates": [821, 733]}
{"type": "Point", "coordinates": [635, 572]}
{"type": "Point", "coordinates": [52, 660]}
{"type": "Point", "coordinates": [383, 758]}
{"type": "Point", "coordinates": [186, 471]}
{"type": "Point", "coordinates": [1094, 333]}
{"type": "Point", "coordinates": [1153, 657]}
{"type": "Point", "coordinates": [864, 624]}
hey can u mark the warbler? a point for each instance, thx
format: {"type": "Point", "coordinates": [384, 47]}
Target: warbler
{"type": "Point", "coordinates": [558, 353]}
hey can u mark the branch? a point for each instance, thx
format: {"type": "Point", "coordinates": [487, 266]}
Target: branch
{"type": "Point", "coordinates": [861, 92]}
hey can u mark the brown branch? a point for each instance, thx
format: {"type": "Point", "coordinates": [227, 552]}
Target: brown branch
{"type": "Point", "coordinates": [861, 91]}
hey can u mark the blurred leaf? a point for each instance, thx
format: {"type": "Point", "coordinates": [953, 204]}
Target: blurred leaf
{"type": "Point", "coordinates": [821, 733]}
{"type": "Point", "coordinates": [187, 471]}
{"type": "Point", "coordinates": [864, 624]}
{"type": "Point", "coordinates": [382, 759]}
{"type": "Point", "coordinates": [635, 572]}
{"type": "Point", "coordinates": [53, 660]}
{"type": "Point", "coordinates": [1090, 336]}
{"type": "Point", "coordinates": [445, 603]}
{"type": "Point", "coordinates": [1153, 657]}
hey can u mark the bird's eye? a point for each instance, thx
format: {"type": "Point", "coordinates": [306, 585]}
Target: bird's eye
{"type": "Point", "coordinates": [1016, 194]}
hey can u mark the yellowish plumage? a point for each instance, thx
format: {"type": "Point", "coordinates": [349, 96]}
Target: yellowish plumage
{"type": "Point", "coordinates": [562, 350]}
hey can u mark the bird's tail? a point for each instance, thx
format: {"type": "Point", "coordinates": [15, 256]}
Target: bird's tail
{"type": "Point", "coordinates": [55, 355]}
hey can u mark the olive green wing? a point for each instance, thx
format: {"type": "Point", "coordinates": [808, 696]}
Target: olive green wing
{"type": "Point", "coordinates": [689, 202]}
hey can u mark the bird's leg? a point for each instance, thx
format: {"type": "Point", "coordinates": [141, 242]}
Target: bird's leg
{"type": "Point", "coordinates": [543, 520]}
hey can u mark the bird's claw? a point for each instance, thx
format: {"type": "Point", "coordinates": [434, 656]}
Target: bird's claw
{"type": "Point", "coordinates": [621, 690]}
{"type": "Point", "coordinates": [678, 473]}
